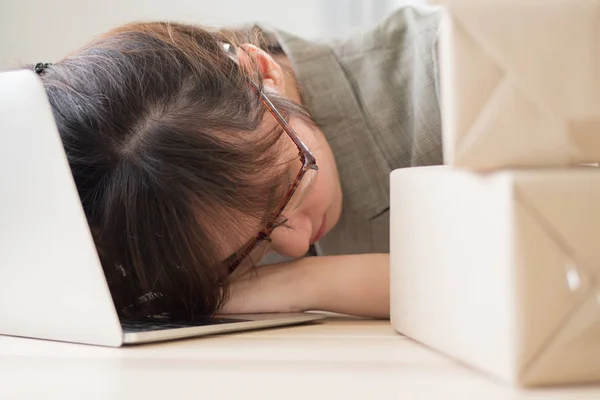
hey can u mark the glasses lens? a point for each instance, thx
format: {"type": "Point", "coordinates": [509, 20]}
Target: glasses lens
{"type": "Point", "coordinates": [301, 193]}
{"type": "Point", "coordinates": [255, 256]}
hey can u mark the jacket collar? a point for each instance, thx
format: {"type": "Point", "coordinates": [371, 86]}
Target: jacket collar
{"type": "Point", "coordinates": [330, 99]}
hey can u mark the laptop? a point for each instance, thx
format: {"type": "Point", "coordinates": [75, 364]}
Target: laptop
{"type": "Point", "coordinates": [52, 285]}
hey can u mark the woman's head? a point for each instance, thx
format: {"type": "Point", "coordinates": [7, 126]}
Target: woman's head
{"type": "Point", "coordinates": [175, 158]}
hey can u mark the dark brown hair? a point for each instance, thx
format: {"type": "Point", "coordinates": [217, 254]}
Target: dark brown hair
{"type": "Point", "coordinates": [162, 135]}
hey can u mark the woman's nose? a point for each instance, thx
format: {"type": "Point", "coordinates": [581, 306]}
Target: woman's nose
{"type": "Point", "coordinates": [292, 239]}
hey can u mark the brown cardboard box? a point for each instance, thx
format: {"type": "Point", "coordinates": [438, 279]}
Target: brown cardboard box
{"type": "Point", "coordinates": [500, 271]}
{"type": "Point", "coordinates": [520, 82]}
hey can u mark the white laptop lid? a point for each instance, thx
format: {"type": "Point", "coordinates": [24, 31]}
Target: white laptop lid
{"type": "Point", "coordinates": [51, 282]}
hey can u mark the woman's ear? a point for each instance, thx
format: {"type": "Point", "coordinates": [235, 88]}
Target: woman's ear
{"type": "Point", "coordinates": [251, 58]}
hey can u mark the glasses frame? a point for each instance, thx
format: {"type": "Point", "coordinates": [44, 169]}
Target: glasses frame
{"type": "Point", "coordinates": [306, 158]}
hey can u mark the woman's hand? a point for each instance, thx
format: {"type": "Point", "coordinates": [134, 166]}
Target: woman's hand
{"type": "Point", "coordinates": [351, 284]}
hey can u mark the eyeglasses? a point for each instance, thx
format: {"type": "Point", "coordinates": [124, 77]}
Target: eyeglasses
{"type": "Point", "coordinates": [256, 248]}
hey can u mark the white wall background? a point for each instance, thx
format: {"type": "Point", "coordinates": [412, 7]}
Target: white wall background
{"type": "Point", "coordinates": [46, 30]}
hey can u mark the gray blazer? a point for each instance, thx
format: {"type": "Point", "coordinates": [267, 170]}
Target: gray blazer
{"type": "Point", "coordinates": [375, 96]}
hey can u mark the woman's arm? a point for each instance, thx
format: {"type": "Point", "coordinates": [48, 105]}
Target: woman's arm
{"type": "Point", "coordinates": [350, 284]}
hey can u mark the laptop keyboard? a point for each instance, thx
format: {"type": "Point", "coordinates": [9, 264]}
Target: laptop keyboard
{"type": "Point", "coordinates": [147, 324]}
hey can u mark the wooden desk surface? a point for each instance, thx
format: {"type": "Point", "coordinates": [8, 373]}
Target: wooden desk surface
{"type": "Point", "coordinates": [342, 358]}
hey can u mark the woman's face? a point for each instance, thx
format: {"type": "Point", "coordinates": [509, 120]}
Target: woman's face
{"type": "Point", "coordinates": [321, 203]}
{"type": "Point", "coordinates": [320, 206]}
